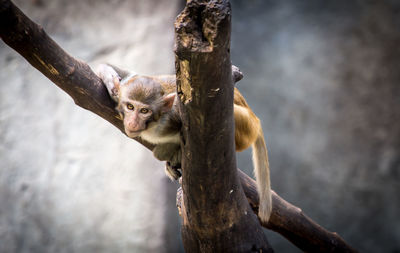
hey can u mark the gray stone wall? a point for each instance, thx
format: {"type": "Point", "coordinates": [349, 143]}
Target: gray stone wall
{"type": "Point", "coordinates": [323, 76]}
{"type": "Point", "coordinates": [70, 181]}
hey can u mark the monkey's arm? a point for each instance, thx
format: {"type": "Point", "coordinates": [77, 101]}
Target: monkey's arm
{"type": "Point", "coordinates": [170, 152]}
{"type": "Point", "coordinates": [121, 72]}
{"type": "Point", "coordinates": [110, 78]}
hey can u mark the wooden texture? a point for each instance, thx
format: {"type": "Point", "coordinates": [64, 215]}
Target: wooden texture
{"type": "Point", "coordinates": [77, 79]}
{"type": "Point", "coordinates": [216, 214]}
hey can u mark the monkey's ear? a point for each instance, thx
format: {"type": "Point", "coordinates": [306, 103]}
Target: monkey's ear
{"type": "Point", "coordinates": [111, 80]}
{"type": "Point", "coordinates": [168, 102]}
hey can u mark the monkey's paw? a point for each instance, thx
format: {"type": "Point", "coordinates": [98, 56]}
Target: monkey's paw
{"type": "Point", "coordinates": [173, 172]}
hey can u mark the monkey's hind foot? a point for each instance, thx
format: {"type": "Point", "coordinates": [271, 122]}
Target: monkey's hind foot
{"type": "Point", "coordinates": [173, 172]}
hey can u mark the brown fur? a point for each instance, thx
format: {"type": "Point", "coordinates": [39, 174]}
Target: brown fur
{"type": "Point", "coordinates": [247, 125]}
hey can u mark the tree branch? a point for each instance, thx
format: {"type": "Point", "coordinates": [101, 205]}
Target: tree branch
{"type": "Point", "coordinates": [290, 221]}
{"type": "Point", "coordinates": [71, 75]}
{"type": "Point", "coordinates": [77, 79]}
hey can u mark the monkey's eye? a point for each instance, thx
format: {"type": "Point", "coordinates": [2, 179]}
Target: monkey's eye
{"type": "Point", "coordinates": [144, 110]}
{"type": "Point", "coordinates": [130, 107]}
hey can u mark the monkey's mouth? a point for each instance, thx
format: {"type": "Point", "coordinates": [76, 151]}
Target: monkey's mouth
{"type": "Point", "coordinates": [133, 134]}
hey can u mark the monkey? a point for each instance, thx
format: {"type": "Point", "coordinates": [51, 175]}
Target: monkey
{"type": "Point", "coordinates": [148, 106]}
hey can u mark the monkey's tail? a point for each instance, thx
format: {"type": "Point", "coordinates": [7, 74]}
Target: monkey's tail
{"type": "Point", "coordinates": [261, 171]}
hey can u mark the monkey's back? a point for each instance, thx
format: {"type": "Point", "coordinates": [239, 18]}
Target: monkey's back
{"type": "Point", "coordinates": [247, 125]}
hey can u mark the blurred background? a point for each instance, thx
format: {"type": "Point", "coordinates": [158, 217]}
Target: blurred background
{"type": "Point", "coordinates": [323, 76]}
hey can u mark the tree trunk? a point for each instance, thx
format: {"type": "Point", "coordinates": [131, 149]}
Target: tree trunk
{"type": "Point", "coordinates": [216, 214]}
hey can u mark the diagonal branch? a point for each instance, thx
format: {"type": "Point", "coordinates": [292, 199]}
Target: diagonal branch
{"type": "Point", "coordinates": [290, 221]}
{"type": "Point", "coordinates": [77, 79]}
{"type": "Point", "coordinates": [73, 76]}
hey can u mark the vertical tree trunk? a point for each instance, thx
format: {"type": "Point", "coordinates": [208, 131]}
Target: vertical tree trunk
{"type": "Point", "coordinates": [216, 214]}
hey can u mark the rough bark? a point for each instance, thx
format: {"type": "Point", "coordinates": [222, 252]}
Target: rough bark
{"type": "Point", "coordinates": [77, 79]}
{"type": "Point", "coordinates": [216, 214]}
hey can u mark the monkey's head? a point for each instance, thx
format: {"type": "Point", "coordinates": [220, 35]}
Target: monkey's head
{"type": "Point", "coordinates": [141, 103]}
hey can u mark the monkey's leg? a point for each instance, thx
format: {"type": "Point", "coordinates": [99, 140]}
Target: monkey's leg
{"type": "Point", "coordinates": [171, 153]}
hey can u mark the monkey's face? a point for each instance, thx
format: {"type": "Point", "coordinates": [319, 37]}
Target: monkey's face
{"type": "Point", "coordinates": [138, 100]}
{"type": "Point", "coordinates": [136, 115]}
{"type": "Point", "coordinates": [141, 102]}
